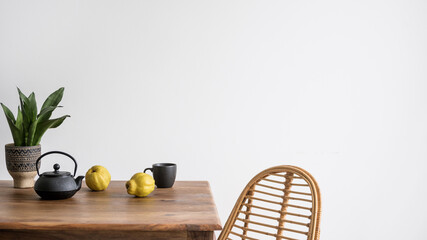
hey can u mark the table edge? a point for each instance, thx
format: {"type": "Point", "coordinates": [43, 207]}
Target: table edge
{"type": "Point", "coordinates": [110, 227]}
{"type": "Point", "coordinates": [4, 226]}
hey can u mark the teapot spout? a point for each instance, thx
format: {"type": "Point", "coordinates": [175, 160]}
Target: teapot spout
{"type": "Point", "coordinates": [79, 182]}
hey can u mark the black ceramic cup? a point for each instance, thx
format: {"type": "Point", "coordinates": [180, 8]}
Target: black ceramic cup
{"type": "Point", "coordinates": [164, 174]}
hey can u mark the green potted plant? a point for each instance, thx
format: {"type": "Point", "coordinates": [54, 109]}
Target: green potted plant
{"type": "Point", "coordinates": [27, 130]}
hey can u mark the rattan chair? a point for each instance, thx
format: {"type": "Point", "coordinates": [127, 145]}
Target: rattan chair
{"type": "Point", "coordinates": [281, 202]}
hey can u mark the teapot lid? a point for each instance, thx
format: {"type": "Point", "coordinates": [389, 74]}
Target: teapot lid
{"type": "Point", "coordinates": [56, 173]}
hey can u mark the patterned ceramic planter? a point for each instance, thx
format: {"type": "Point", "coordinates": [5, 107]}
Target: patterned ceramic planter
{"type": "Point", "coordinates": [21, 164]}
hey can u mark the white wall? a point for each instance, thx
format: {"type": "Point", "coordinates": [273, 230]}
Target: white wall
{"type": "Point", "coordinates": [228, 88]}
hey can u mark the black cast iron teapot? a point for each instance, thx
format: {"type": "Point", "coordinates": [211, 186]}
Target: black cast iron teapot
{"type": "Point", "coordinates": [57, 184]}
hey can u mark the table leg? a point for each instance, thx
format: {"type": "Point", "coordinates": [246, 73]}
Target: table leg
{"type": "Point", "coordinates": [200, 236]}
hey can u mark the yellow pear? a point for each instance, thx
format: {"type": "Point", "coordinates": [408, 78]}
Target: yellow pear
{"type": "Point", "coordinates": [140, 185]}
{"type": "Point", "coordinates": [98, 178]}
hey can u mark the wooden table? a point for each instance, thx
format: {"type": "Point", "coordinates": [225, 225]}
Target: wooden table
{"type": "Point", "coordinates": [185, 211]}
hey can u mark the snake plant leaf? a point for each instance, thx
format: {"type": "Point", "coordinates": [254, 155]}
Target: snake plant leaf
{"type": "Point", "coordinates": [32, 107]}
{"type": "Point", "coordinates": [16, 132]}
{"type": "Point", "coordinates": [25, 102]}
{"type": "Point", "coordinates": [42, 127]}
{"type": "Point", "coordinates": [43, 116]}
{"type": "Point", "coordinates": [19, 123]}
{"type": "Point", "coordinates": [45, 113]}
{"type": "Point", "coordinates": [19, 119]}
{"type": "Point", "coordinates": [31, 133]}
{"type": "Point", "coordinates": [59, 122]}
{"type": "Point", "coordinates": [53, 101]}
{"type": "Point", "coordinates": [8, 113]}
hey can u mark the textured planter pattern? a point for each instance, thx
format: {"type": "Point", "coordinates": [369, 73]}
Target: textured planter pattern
{"type": "Point", "coordinates": [21, 164]}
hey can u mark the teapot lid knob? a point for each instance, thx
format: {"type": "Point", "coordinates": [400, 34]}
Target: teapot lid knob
{"type": "Point", "coordinates": [56, 167]}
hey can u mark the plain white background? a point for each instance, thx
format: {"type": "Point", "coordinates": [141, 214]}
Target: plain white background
{"type": "Point", "coordinates": [228, 88]}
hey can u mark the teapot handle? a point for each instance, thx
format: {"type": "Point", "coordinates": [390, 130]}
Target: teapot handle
{"type": "Point", "coordinates": [66, 154]}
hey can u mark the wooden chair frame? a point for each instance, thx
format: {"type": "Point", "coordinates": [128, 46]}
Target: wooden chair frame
{"type": "Point", "coordinates": [291, 172]}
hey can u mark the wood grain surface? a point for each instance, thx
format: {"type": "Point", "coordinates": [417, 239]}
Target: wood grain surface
{"type": "Point", "coordinates": [186, 211]}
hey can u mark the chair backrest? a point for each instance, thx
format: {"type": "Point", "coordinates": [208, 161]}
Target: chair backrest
{"type": "Point", "coordinates": [281, 202]}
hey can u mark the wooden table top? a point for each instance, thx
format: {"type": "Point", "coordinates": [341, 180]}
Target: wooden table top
{"type": "Point", "coordinates": [187, 206]}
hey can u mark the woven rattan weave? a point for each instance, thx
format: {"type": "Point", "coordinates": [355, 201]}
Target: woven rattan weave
{"type": "Point", "coordinates": [281, 202]}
